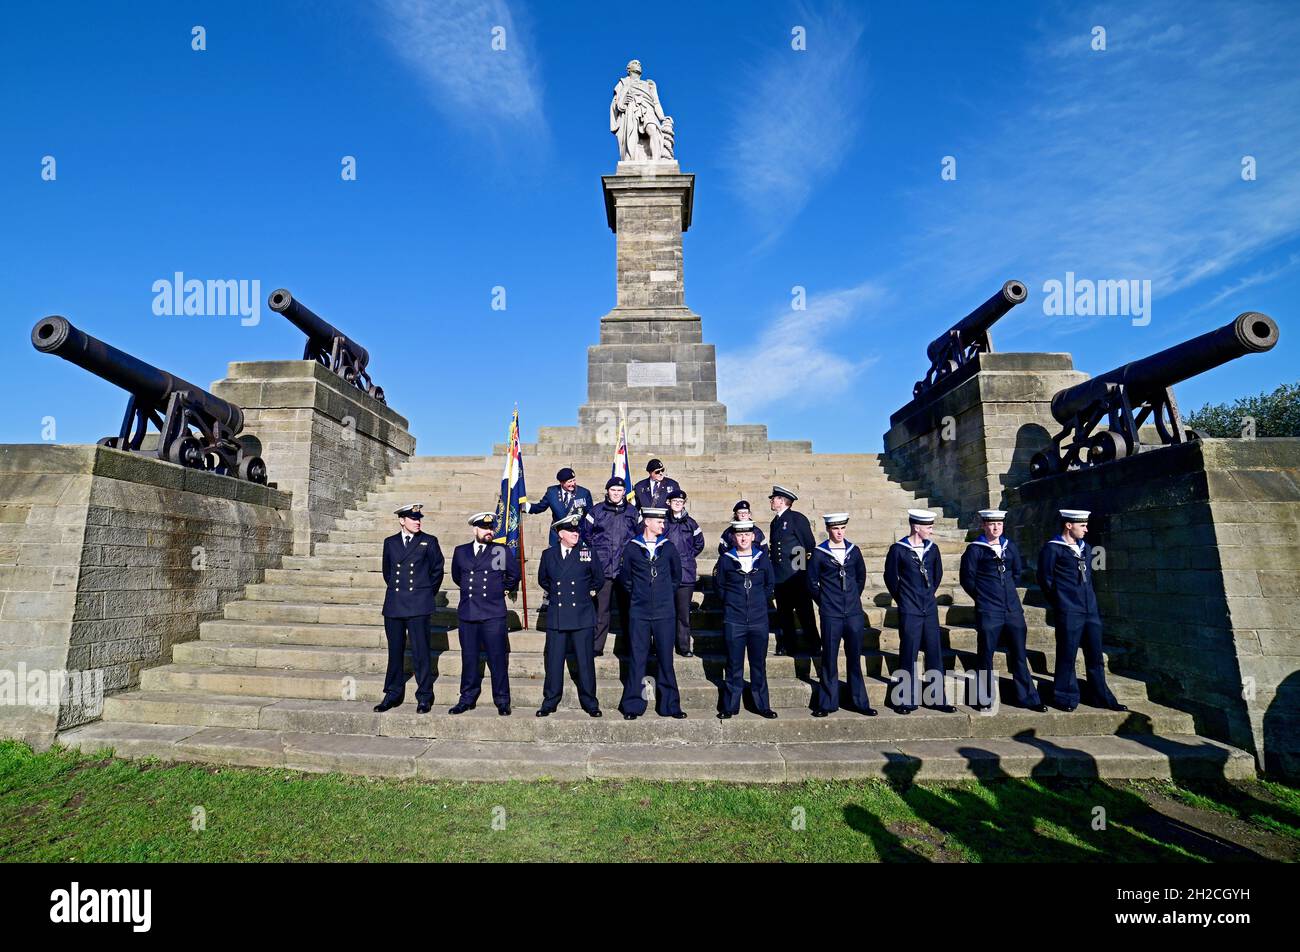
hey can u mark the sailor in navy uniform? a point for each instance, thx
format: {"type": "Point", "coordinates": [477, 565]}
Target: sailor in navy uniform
{"type": "Point", "coordinates": [560, 500]}
{"type": "Point", "coordinates": [485, 571]}
{"type": "Point", "coordinates": [651, 571]}
{"type": "Point", "coordinates": [836, 577]}
{"type": "Point", "coordinates": [688, 539]}
{"type": "Point", "coordinates": [791, 543]}
{"type": "Point", "coordinates": [913, 570]}
{"type": "Point", "coordinates": [654, 489]}
{"type": "Point", "coordinates": [745, 583]}
{"type": "Point", "coordinates": [1065, 574]}
{"type": "Point", "coordinates": [740, 512]}
{"type": "Point", "coordinates": [607, 528]}
{"type": "Point", "coordinates": [570, 573]}
{"type": "Point", "coordinates": [412, 570]}
{"type": "Point", "coordinates": [990, 568]}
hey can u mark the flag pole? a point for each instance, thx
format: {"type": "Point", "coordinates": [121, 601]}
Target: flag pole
{"type": "Point", "coordinates": [523, 563]}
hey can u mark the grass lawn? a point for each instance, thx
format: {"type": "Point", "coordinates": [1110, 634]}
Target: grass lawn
{"type": "Point", "coordinates": [61, 805]}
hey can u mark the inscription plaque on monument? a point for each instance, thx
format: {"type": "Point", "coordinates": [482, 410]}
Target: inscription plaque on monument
{"type": "Point", "coordinates": [642, 374]}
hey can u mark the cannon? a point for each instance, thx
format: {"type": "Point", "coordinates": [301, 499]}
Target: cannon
{"type": "Point", "coordinates": [962, 342]}
{"type": "Point", "coordinates": [326, 343]}
{"type": "Point", "coordinates": [196, 429]}
{"type": "Point", "coordinates": [1127, 396]}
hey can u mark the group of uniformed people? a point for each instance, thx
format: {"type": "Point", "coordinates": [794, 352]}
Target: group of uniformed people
{"type": "Point", "coordinates": [641, 556]}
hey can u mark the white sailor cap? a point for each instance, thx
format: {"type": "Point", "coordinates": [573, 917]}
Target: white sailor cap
{"type": "Point", "coordinates": [654, 512]}
{"type": "Point", "coordinates": [1075, 515]}
{"type": "Point", "coordinates": [782, 491]}
{"type": "Point", "coordinates": [742, 525]}
{"type": "Point", "coordinates": [992, 515]}
{"type": "Point", "coordinates": [410, 511]}
{"type": "Point", "coordinates": [569, 521]}
{"type": "Point", "coordinates": [923, 516]}
{"type": "Point", "coordinates": [834, 519]}
{"type": "Point", "coordinates": [483, 520]}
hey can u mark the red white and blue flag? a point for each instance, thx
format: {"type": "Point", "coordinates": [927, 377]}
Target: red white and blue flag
{"type": "Point", "coordinates": [622, 470]}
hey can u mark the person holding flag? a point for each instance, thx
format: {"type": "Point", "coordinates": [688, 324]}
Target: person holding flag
{"type": "Point", "coordinates": [565, 497]}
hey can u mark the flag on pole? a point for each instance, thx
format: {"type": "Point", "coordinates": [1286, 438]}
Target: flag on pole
{"type": "Point", "coordinates": [513, 494]}
{"type": "Point", "coordinates": [622, 469]}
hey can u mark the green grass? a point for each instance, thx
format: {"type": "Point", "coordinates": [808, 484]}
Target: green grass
{"type": "Point", "coordinates": [60, 805]}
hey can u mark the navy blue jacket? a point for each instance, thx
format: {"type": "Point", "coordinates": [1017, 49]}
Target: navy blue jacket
{"type": "Point", "coordinates": [483, 581]}
{"type": "Point", "coordinates": [413, 574]}
{"type": "Point", "coordinates": [837, 589]}
{"type": "Point", "coordinates": [550, 501]}
{"type": "Point", "coordinates": [791, 536]}
{"type": "Point", "coordinates": [1067, 578]}
{"type": "Point", "coordinates": [989, 573]}
{"type": "Point", "coordinates": [643, 495]}
{"type": "Point", "coordinates": [569, 582]}
{"type": "Point", "coordinates": [907, 584]}
{"type": "Point", "coordinates": [607, 528]}
{"type": "Point", "coordinates": [652, 583]}
{"type": "Point", "coordinates": [688, 539]}
{"type": "Point", "coordinates": [745, 595]}
{"type": "Point", "coordinates": [729, 539]}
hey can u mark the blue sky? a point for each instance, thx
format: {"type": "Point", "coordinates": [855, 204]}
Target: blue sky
{"type": "Point", "coordinates": [477, 168]}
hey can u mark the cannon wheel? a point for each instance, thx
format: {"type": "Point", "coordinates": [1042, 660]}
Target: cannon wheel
{"type": "Point", "coordinates": [186, 452]}
{"type": "Point", "coordinates": [1042, 464]}
{"type": "Point", "coordinates": [1106, 447]}
{"type": "Point", "coordinates": [252, 469]}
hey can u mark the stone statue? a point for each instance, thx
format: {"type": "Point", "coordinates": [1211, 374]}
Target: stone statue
{"type": "Point", "coordinates": [644, 133]}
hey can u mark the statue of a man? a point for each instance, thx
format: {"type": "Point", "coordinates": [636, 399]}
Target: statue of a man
{"type": "Point", "coordinates": [635, 116]}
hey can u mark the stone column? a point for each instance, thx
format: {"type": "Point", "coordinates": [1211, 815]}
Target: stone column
{"type": "Point", "coordinates": [970, 440]}
{"type": "Point", "coordinates": [323, 439]}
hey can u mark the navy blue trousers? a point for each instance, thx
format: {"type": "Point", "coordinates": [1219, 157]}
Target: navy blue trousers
{"type": "Point", "coordinates": [991, 630]}
{"type": "Point", "coordinates": [559, 642]}
{"type": "Point", "coordinates": [1071, 632]}
{"type": "Point", "coordinates": [664, 632]}
{"type": "Point", "coordinates": [917, 633]}
{"type": "Point", "coordinates": [399, 631]}
{"type": "Point", "coordinates": [682, 598]}
{"type": "Point", "coordinates": [488, 637]}
{"type": "Point", "coordinates": [745, 638]}
{"type": "Point", "coordinates": [849, 629]}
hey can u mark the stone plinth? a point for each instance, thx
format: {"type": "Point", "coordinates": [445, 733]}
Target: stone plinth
{"type": "Point", "coordinates": [324, 440]}
{"type": "Point", "coordinates": [970, 439]}
{"type": "Point", "coordinates": [107, 559]}
{"type": "Point", "coordinates": [1200, 583]}
{"type": "Point", "coordinates": [652, 359]}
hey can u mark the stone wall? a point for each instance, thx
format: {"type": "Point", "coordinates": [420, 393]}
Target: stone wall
{"type": "Point", "coordinates": [323, 439]}
{"type": "Point", "coordinates": [971, 438]}
{"type": "Point", "coordinates": [107, 559]}
{"type": "Point", "coordinates": [1200, 585]}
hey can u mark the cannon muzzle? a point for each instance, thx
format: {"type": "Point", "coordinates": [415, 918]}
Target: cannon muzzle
{"type": "Point", "coordinates": [962, 342]}
{"type": "Point", "coordinates": [326, 343]}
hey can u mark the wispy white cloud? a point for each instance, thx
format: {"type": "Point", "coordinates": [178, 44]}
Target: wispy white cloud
{"type": "Point", "coordinates": [449, 45]}
{"type": "Point", "coordinates": [800, 341]}
{"type": "Point", "coordinates": [799, 115]}
{"type": "Point", "coordinates": [1254, 279]}
{"type": "Point", "coordinates": [1127, 163]}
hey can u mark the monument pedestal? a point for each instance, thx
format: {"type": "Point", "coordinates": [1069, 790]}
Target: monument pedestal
{"type": "Point", "coordinates": [652, 362]}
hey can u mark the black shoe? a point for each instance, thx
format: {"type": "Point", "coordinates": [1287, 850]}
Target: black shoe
{"type": "Point", "coordinates": [868, 711]}
{"type": "Point", "coordinates": [820, 713]}
{"type": "Point", "coordinates": [944, 709]}
{"type": "Point", "coordinates": [630, 717]}
{"type": "Point", "coordinates": [423, 708]}
{"type": "Point", "coordinates": [769, 714]}
{"type": "Point", "coordinates": [1039, 708]}
{"type": "Point", "coordinates": [724, 715]}
{"type": "Point", "coordinates": [599, 654]}
{"type": "Point", "coordinates": [545, 712]}
{"type": "Point", "coordinates": [1116, 706]}
{"type": "Point", "coordinates": [386, 705]}
{"type": "Point", "coordinates": [905, 709]}
{"type": "Point", "coordinates": [595, 713]}
{"type": "Point", "coordinates": [780, 652]}
{"type": "Point", "coordinates": [1067, 708]}
{"type": "Point", "coordinates": [689, 654]}
{"type": "Point", "coordinates": [504, 710]}
{"type": "Point", "coordinates": [461, 709]}
{"type": "Point", "coordinates": [679, 716]}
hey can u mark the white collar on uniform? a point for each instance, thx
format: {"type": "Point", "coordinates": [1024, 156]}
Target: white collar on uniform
{"type": "Point", "coordinates": [1075, 547]}
{"type": "Point", "coordinates": [754, 553]}
{"type": "Point", "coordinates": [1000, 548]}
{"type": "Point", "coordinates": [839, 555]}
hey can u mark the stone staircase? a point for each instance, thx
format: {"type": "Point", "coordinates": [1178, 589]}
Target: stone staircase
{"type": "Point", "coordinates": [288, 677]}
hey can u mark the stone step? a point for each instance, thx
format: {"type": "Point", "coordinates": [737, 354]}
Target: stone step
{"type": "Point", "coordinates": [1034, 753]}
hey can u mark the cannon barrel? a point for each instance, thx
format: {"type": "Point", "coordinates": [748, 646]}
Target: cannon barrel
{"type": "Point", "coordinates": [56, 335]}
{"type": "Point", "coordinates": [977, 323]}
{"type": "Point", "coordinates": [321, 332]}
{"type": "Point", "coordinates": [1145, 379]}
